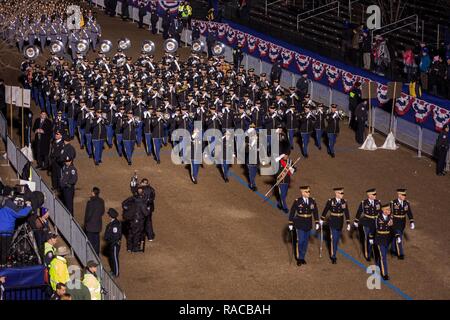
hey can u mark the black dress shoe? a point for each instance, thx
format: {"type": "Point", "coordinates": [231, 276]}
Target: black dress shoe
{"type": "Point", "coordinates": [333, 260]}
{"type": "Point", "coordinates": [386, 277]}
{"type": "Point", "coordinates": [285, 210]}
{"type": "Point", "coordinates": [299, 263]}
{"type": "Point", "coordinates": [96, 163]}
{"type": "Point", "coordinates": [81, 147]}
{"type": "Point", "coordinates": [226, 180]}
{"type": "Point", "coordinates": [129, 163]}
{"type": "Point", "coordinates": [401, 257]}
{"type": "Point", "coordinates": [332, 155]}
{"type": "Point", "coordinates": [158, 161]}
{"type": "Point", "coordinates": [368, 259]}
{"type": "Point", "coordinates": [303, 261]}
{"type": "Point", "coordinates": [194, 180]}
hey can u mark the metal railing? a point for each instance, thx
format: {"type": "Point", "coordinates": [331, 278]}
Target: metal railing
{"type": "Point", "coordinates": [64, 222]}
{"type": "Point", "coordinates": [334, 5]}
{"type": "Point", "coordinates": [267, 4]}
{"type": "Point", "coordinates": [405, 24]}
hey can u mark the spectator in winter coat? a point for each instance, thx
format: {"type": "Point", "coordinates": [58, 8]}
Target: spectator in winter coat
{"type": "Point", "coordinates": [95, 209]}
{"type": "Point", "coordinates": [424, 68]}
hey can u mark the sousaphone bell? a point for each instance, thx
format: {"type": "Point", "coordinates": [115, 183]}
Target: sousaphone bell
{"type": "Point", "coordinates": [82, 47]}
{"type": "Point", "coordinates": [170, 45]}
{"type": "Point", "coordinates": [31, 52]}
{"type": "Point", "coordinates": [198, 46]}
{"type": "Point", "coordinates": [57, 47]}
{"type": "Point", "coordinates": [218, 49]}
{"type": "Point", "coordinates": [124, 44]}
{"type": "Point", "coordinates": [105, 46]}
{"type": "Point", "coordinates": [148, 47]}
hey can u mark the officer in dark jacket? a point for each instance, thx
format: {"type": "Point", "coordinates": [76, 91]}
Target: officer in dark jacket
{"type": "Point", "coordinates": [142, 12]}
{"type": "Point", "coordinates": [371, 208]}
{"type": "Point", "coordinates": [275, 72]}
{"type": "Point", "coordinates": [361, 116]}
{"type": "Point", "coordinates": [154, 17]}
{"type": "Point", "coordinates": [166, 22]}
{"type": "Point", "coordinates": [400, 209]}
{"type": "Point", "coordinates": [303, 210]}
{"type": "Point", "coordinates": [113, 236]}
{"type": "Point", "coordinates": [95, 209]}
{"type": "Point", "coordinates": [150, 194]}
{"type": "Point", "coordinates": [354, 99]}
{"type": "Point", "coordinates": [69, 178]}
{"type": "Point", "coordinates": [237, 56]}
{"type": "Point", "coordinates": [338, 209]}
{"type": "Point", "coordinates": [383, 237]}
{"type": "Point", "coordinates": [442, 146]}
{"type": "Point", "coordinates": [98, 136]}
{"type": "Point", "coordinates": [125, 10]}
{"type": "Point", "coordinates": [135, 211]}
{"type": "Point", "coordinates": [319, 124]}
{"type": "Point", "coordinates": [307, 120]}
{"type": "Point", "coordinates": [56, 159]}
{"type": "Point", "coordinates": [302, 85]}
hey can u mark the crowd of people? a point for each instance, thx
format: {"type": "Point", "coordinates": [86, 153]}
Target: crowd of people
{"type": "Point", "coordinates": [428, 67]}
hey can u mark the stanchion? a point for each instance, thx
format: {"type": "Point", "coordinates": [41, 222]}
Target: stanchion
{"type": "Point", "coordinates": [389, 143]}
{"type": "Point", "coordinates": [369, 144]}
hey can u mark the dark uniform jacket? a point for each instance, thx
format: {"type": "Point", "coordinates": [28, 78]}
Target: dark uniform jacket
{"type": "Point", "coordinates": [95, 208]}
{"type": "Point", "coordinates": [370, 212]}
{"type": "Point", "coordinates": [383, 235]}
{"type": "Point", "coordinates": [113, 232]}
{"type": "Point", "coordinates": [301, 214]}
{"type": "Point", "coordinates": [333, 123]}
{"type": "Point", "coordinates": [399, 213]}
{"type": "Point", "coordinates": [337, 212]}
{"type": "Point", "coordinates": [69, 176]}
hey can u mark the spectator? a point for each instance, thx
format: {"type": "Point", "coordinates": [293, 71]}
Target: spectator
{"type": "Point", "coordinates": [357, 32]}
{"type": "Point", "coordinates": [95, 208]}
{"type": "Point", "coordinates": [58, 271]}
{"type": "Point", "coordinates": [275, 72]}
{"type": "Point", "coordinates": [49, 248]}
{"type": "Point", "coordinates": [438, 73]}
{"type": "Point", "coordinates": [409, 65]}
{"type": "Point", "coordinates": [2, 288]}
{"type": "Point", "coordinates": [59, 292]}
{"type": "Point", "coordinates": [210, 15]}
{"type": "Point", "coordinates": [195, 31]}
{"type": "Point", "coordinates": [8, 217]}
{"type": "Point", "coordinates": [125, 10]}
{"type": "Point", "coordinates": [40, 226]}
{"type": "Point", "coordinates": [92, 282]}
{"type": "Point", "coordinates": [76, 287]}
{"type": "Point", "coordinates": [366, 49]}
{"type": "Point", "coordinates": [166, 22]}
{"type": "Point", "coordinates": [66, 297]}
{"type": "Point", "coordinates": [424, 68]}
{"type": "Point", "coordinates": [346, 42]}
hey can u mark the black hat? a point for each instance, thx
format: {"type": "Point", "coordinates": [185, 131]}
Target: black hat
{"type": "Point", "coordinates": [305, 188]}
{"type": "Point", "coordinates": [339, 189]}
{"type": "Point", "coordinates": [91, 264]}
{"type": "Point", "coordinates": [113, 213]}
{"type": "Point", "coordinates": [371, 191]}
{"type": "Point", "coordinates": [67, 158]}
{"type": "Point", "coordinates": [401, 192]}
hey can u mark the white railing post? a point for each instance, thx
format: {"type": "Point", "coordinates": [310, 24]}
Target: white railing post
{"type": "Point", "coordinates": [419, 145]}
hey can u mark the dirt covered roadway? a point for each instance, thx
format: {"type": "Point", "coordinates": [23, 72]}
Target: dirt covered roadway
{"type": "Point", "coordinates": [223, 241]}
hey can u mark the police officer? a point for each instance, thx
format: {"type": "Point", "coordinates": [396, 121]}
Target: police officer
{"type": "Point", "coordinates": [400, 209]}
{"type": "Point", "coordinates": [238, 55]}
{"type": "Point", "coordinates": [69, 178]}
{"type": "Point", "coordinates": [442, 146]}
{"type": "Point", "coordinates": [153, 17]}
{"type": "Point", "coordinates": [113, 236]}
{"type": "Point", "coordinates": [338, 208]}
{"type": "Point", "coordinates": [354, 99]}
{"type": "Point", "coordinates": [361, 116]}
{"type": "Point", "coordinates": [303, 211]}
{"type": "Point", "coordinates": [371, 208]}
{"type": "Point", "coordinates": [68, 149]}
{"type": "Point", "coordinates": [56, 159]}
{"type": "Point", "coordinates": [333, 118]}
{"type": "Point", "coordinates": [382, 236]}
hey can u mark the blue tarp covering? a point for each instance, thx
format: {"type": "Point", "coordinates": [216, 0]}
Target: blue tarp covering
{"type": "Point", "coordinates": [26, 283]}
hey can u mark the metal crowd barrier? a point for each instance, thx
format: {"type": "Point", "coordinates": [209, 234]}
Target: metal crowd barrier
{"type": "Point", "coordinates": [65, 223]}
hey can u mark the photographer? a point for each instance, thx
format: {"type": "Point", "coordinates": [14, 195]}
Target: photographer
{"type": "Point", "coordinates": [135, 211]}
{"type": "Point", "coordinates": [9, 213]}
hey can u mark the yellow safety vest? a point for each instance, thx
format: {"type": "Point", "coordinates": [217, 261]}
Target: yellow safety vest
{"type": "Point", "coordinates": [180, 8]}
{"type": "Point", "coordinates": [58, 272]}
{"type": "Point", "coordinates": [93, 284]}
{"type": "Point", "coordinates": [187, 12]}
{"type": "Point", "coordinates": [81, 21]}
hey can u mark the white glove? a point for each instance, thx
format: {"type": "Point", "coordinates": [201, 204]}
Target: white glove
{"type": "Point", "coordinates": [348, 227]}
{"type": "Point", "coordinates": [321, 222]}
{"type": "Point", "coordinates": [412, 226]}
{"type": "Point", "coordinates": [291, 227]}
{"type": "Point", "coordinates": [317, 226]}
{"type": "Point", "coordinates": [371, 241]}
{"type": "Point", "coordinates": [399, 240]}
{"type": "Point", "coordinates": [355, 224]}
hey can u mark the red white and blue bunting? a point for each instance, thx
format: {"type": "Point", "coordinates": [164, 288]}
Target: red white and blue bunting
{"type": "Point", "coordinates": [333, 74]}
{"type": "Point", "coordinates": [441, 117]}
{"type": "Point", "coordinates": [302, 62]}
{"type": "Point", "coordinates": [262, 48]}
{"type": "Point", "coordinates": [382, 93]}
{"type": "Point", "coordinates": [318, 69]}
{"type": "Point", "coordinates": [422, 110]}
{"type": "Point", "coordinates": [287, 56]}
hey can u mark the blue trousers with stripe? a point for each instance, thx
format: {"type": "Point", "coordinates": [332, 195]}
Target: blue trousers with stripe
{"type": "Point", "coordinates": [302, 243]}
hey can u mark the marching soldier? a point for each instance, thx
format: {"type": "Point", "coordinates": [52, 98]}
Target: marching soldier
{"type": "Point", "coordinates": [319, 124]}
{"type": "Point", "coordinates": [89, 121]}
{"type": "Point", "coordinates": [113, 237]}
{"type": "Point", "coordinates": [287, 170]}
{"type": "Point", "coordinates": [291, 120]}
{"type": "Point", "coordinates": [338, 209]}
{"type": "Point", "coordinates": [333, 118]}
{"type": "Point", "coordinates": [95, 33]}
{"type": "Point", "coordinates": [307, 120]}
{"type": "Point", "coordinates": [251, 156]}
{"type": "Point", "coordinates": [371, 208]}
{"type": "Point", "coordinates": [158, 126]}
{"type": "Point", "coordinates": [118, 123]}
{"type": "Point", "coordinates": [98, 136]}
{"type": "Point", "coordinates": [383, 236]}
{"type": "Point", "coordinates": [69, 178]}
{"type": "Point", "coordinates": [303, 211]}
{"type": "Point", "coordinates": [196, 153]}
{"type": "Point", "coordinates": [129, 135]}
{"type": "Point", "coordinates": [42, 35]}
{"type": "Point", "coordinates": [227, 153]}
{"type": "Point", "coordinates": [400, 208]}
{"type": "Point", "coordinates": [147, 122]}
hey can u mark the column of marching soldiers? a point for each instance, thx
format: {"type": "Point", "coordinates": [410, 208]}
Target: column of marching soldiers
{"type": "Point", "coordinates": [142, 102]}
